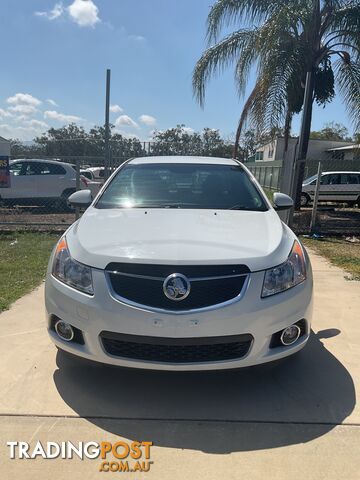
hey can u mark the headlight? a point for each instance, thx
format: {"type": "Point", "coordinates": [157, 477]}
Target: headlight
{"type": "Point", "coordinates": [71, 272]}
{"type": "Point", "coordinates": [287, 275]}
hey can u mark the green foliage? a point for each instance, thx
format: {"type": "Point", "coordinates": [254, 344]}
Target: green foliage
{"type": "Point", "coordinates": [332, 131]}
{"type": "Point", "coordinates": [183, 141]}
{"type": "Point", "coordinates": [283, 41]}
{"type": "Point", "coordinates": [72, 141]}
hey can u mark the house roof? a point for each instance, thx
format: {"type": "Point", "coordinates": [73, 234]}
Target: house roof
{"type": "Point", "coordinates": [2, 139]}
{"type": "Point", "coordinates": [342, 149]}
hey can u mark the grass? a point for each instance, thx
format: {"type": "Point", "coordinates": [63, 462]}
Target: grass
{"type": "Point", "coordinates": [23, 260]}
{"type": "Point", "coordinates": [269, 193]}
{"type": "Point", "coordinates": [339, 252]}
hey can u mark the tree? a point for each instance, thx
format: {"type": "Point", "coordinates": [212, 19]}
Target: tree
{"type": "Point", "coordinates": [65, 142]}
{"type": "Point", "coordinates": [332, 131]}
{"type": "Point", "coordinates": [248, 145]}
{"type": "Point", "coordinates": [284, 41]}
{"type": "Point", "coordinates": [72, 141]}
{"type": "Point", "coordinates": [184, 141]}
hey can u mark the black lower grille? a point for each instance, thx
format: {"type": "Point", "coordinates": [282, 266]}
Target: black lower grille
{"type": "Point", "coordinates": [180, 350]}
{"type": "Point", "coordinates": [210, 284]}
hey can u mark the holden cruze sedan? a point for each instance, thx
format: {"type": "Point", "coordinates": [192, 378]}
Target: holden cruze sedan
{"type": "Point", "coordinates": [179, 263]}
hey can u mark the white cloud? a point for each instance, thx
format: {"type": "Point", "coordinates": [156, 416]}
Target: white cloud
{"type": "Point", "coordinates": [125, 121]}
{"type": "Point", "coordinates": [148, 120]}
{"type": "Point", "coordinates": [27, 132]}
{"type": "Point", "coordinates": [137, 38]}
{"type": "Point", "coordinates": [126, 134]}
{"type": "Point", "coordinates": [52, 102]}
{"type": "Point", "coordinates": [5, 113]}
{"type": "Point", "coordinates": [23, 99]}
{"type": "Point", "coordinates": [5, 130]}
{"type": "Point", "coordinates": [116, 109]}
{"type": "Point", "coordinates": [188, 130]}
{"type": "Point", "coordinates": [84, 12]}
{"type": "Point", "coordinates": [23, 109]}
{"type": "Point", "coordinates": [21, 118]}
{"type": "Point", "coordinates": [38, 124]}
{"type": "Point", "coordinates": [60, 117]}
{"type": "Point", "coordinates": [56, 12]}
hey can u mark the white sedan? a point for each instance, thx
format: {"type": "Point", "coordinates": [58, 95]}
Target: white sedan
{"type": "Point", "coordinates": [180, 263]}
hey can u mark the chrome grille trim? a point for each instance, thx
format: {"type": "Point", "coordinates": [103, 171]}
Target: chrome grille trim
{"type": "Point", "coordinates": [147, 308]}
{"type": "Point", "coordinates": [162, 279]}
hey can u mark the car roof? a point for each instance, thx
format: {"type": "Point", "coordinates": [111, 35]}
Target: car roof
{"type": "Point", "coordinates": [340, 171]}
{"type": "Point", "coordinates": [40, 160]}
{"type": "Point", "coordinates": [183, 159]}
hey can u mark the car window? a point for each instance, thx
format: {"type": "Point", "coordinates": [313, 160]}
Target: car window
{"type": "Point", "coordinates": [31, 168]}
{"type": "Point", "coordinates": [331, 179]}
{"type": "Point", "coordinates": [311, 180]}
{"type": "Point", "coordinates": [15, 168]}
{"type": "Point", "coordinates": [182, 186]}
{"type": "Point", "coordinates": [86, 174]}
{"type": "Point", "coordinates": [40, 168]}
{"type": "Point", "coordinates": [54, 169]}
{"type": "Point", "coordinates": [349, 179]}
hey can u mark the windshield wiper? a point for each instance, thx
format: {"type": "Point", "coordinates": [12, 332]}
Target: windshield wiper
{"type": "Point", "coordinates": [241, 207]}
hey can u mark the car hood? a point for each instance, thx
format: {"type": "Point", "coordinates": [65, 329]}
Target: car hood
{"type": "Point", "coordinates": [180, 236]}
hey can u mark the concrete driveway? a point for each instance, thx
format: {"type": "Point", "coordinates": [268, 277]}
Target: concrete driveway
{"type": "Point", "coordinates": [293, 420]}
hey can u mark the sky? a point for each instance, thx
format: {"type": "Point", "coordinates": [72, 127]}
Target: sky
{"type": "Point", "coordinates": [55, 55]}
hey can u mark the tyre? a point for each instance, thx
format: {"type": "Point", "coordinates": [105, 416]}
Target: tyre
{"type": "Point", "coordinates": [305, 199]}
{"type": "Point", "coordinates": [61, 204]}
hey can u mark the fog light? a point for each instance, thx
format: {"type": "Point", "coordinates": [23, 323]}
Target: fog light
{"type": "Point", "coordinates": [64, 330]}
{"type": "Point", "coordinates": [290, 335]}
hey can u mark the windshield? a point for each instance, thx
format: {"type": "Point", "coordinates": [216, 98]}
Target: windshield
{"type": "Point", "coordinates": [182, 186]}
{"type": "Point", "coordinates": [310, 179]}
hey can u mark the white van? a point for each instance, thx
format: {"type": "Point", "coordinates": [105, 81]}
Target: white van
{"type": "Point", "coordinates": [342, 187]}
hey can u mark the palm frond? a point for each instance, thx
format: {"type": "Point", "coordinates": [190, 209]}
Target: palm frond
{"type": "Point", "coordinates": [217, 58]}
{"type": "Point", "coordinates": [348, 79]}
{"type": "Point", "coordinates": [345, 25]}
{"type": "Point", "coordinates": [231, 12]}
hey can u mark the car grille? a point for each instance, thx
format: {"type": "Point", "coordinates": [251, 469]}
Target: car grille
{"type": "Point", "coordinates": [180, 350]}
{"type": "Point", "coordinates": [210, 284]}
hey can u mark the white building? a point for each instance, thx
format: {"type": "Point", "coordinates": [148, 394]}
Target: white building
{"type": "Point", "coordinates": [318, 150]}
{"type": "Point", "coordinates": [4, 147]}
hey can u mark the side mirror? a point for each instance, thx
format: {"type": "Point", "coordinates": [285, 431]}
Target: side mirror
{"type": "Point", "coordinates": [81, 199]}
{"type": "Point", "coordinates": [282, 201]}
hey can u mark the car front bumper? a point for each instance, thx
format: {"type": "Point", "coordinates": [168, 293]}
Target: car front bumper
{"type": "Point", "coordinates": [251, 314]}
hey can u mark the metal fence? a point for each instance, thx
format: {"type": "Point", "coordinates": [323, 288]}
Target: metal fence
{"type": "Point", "coordinates": [268, 174]}
{"type": "Point", "coordinates": [32, 207]}
{"type": "Point", "coordinates": [38, 191]}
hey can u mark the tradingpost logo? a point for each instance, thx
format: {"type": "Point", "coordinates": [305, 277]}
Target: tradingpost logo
{"type": "Point", "coordinates": [121, 456]}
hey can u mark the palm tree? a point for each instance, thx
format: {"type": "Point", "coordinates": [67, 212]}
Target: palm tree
{"type": "Point", "coordinates": [286, 41]}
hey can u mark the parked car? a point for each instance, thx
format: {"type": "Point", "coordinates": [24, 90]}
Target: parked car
{"type": "Point", "coordinates": [181, 263]}
{"type": "Point", "coordinates": [97, 173]}
{"type": "Point", "coordinates": [90, 181]}
{"type": "Point", "coordinates": [40, 182]}
{"type": "Point", "coordinates": [343, 187]}
{"type": "Point", "coordinates": [87, 174]}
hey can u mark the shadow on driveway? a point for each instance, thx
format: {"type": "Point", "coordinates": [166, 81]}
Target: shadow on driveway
{"type": "Point", "coordinates": [269, 406]}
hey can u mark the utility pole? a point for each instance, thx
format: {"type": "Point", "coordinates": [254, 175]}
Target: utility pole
{"type": "Point", "coordinates": [316, 201]}
{"type": "Point", "coordinates": [107, 125]}
{"type": "Point", "coordinates": [303, 139]}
